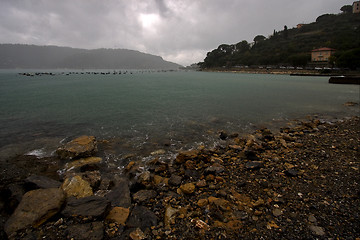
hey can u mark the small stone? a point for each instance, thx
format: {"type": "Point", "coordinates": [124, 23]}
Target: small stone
{"type": "Point", "coordinates": [201, 183]}
{"type": "Point", "coordinates": [175, 180]}
{"type": "Point", "coordinates": [188, 188]}
{"type": "Point", "coordinates": [144, 195]}
{"type": "Point", "coordinates": [215, 168]}
{"type": "Point", "coordinates": [316, 230]}
{"type": "Point", "coordinates": [202, 202]}
{"type": "Point", "coordinates": [253, 165]}
{"type": "Point", "coordinates": [94, 231]}
{"type": "Point", "coordinates": [291, 172]}
{"type": "Point", "coordinates": [137, 234]}
{"type": "Point", "coordinates": [277, 212]}
{"type": "Point", "coordinates": [312, 219]}
{"type": "Point", "coordinates": [118, 215]}
{"type": "Point", "coordinates": [169, 216]}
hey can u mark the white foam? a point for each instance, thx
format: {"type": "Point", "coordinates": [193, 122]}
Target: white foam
{"type": "Point", "coordinates": [39, 153]}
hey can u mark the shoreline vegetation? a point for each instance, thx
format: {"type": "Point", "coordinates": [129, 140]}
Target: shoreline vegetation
{"type": "Point", "coordinates": [299, 183]}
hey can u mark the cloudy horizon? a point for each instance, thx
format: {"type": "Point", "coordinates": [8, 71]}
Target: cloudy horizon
{"type": "Point", "coordinates": [179, 31]}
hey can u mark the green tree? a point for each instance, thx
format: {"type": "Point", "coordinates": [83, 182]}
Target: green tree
{"type": "Point", "coordinates": [259, 38]}
{"type": "Point", "coordinates": [346, 9]}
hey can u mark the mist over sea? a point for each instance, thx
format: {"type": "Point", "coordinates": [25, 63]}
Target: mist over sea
{"type": "Point", "coordinates": [145, 111]}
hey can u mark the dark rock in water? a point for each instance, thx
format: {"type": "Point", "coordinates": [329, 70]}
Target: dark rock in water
{"type": "Point", "coordinates": [93, 231]}
{"type": "Point", "coordinates": [84, 146]}
{"type": "Point", "coordinates": [42, 182]}
{"type": "Point", "coordinates": [291, 172]}
{"type": "Point", "coordinates": [141, 217]}
{"type": "Point", "coordinates": [223, 135]}
{"type": "Point", "coordinates": [175, 180]}
{"type": "Point", "coordinates": [11, 196]}
{"type": "Point", "coordinates": [254, 165]}
{"type": "Point", "coordinates": [120, 194]}
{"type": "Point", "coordinates": [144, 195]}
{"type": "Point", "coordinates": [92, 206]}
{"type": "Point", "coordinates": [35, 208]}
{"type": "Point", "coordinates": [215, 168]}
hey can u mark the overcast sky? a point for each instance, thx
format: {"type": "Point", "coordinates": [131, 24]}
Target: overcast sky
{"type": "Point", "coordinates": [182, 31]}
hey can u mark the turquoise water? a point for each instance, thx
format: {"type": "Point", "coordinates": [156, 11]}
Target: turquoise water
{"type": "Point", "coordinates": [143, 112]}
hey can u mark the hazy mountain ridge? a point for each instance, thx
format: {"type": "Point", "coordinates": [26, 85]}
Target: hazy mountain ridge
{"type": "Point", "coordinates": [45, 57]}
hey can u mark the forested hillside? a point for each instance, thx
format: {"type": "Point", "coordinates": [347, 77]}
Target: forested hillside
{"type": "Point", "coordinates": [292, 47]}
{"type": "Point", "coordinates": [43, 57]}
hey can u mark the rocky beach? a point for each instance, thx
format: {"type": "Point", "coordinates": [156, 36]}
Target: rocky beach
{"type": "Point", "coordinates": [299, 183]}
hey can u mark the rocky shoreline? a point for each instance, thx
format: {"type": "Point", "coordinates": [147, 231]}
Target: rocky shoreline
{"type": "Point", "coordinates": [302, 183]}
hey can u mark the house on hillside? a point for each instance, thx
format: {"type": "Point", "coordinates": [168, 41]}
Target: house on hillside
{"type": "Point", "coordinates": [356, 7]}
{"type": "Point", "coordinates": [321, 54]}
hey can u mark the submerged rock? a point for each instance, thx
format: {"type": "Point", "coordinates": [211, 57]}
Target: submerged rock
{"type": "Point", "coordinates": [84, 146]}
{"type": "Point", "coordinates": [35, 208]}
{"type": "Point", "coordinates": [82, 162]}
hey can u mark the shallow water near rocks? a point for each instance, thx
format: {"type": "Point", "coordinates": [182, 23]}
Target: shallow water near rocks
{"type": "Point", "coordinates": [142, 112]}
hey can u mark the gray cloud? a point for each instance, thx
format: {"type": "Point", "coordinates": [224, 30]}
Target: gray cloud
{"type": "Point", "coordinates": [179, 30]}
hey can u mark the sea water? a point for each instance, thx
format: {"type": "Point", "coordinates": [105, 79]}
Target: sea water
{"type": "Point", "coordinates": [144, 111]}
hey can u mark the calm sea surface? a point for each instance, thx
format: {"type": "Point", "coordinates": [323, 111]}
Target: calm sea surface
{"type": "Point", "coordinates": [146, 111]}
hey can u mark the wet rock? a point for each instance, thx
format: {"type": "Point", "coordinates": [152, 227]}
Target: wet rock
{"type": "Point", "coordinates": [253, 165]}
{"type": "Point", "coordinates": [93, 177]}
{"type": "Point", "coordinates": [175, 180]}
{"type": "Point", "coordinates": [77, 187]}
{"type": "Point", "coordinates": [119, 196]}
{"type": "Point", "coordinates": [84, 146]}
{"type": "Point", "coordinates": [35, 208]}
{"type": "Point", "coordinates": [187, 188]}
{"type": "Point", "coordinates": [192, 174]}
{"type": "Point", "coordinates": [291, 172]}
{"type": "Point", "coordinates": [92, 206]}
{"type": "Point", "coordinates": [82, 162]}
{"type": "Point", "coordinates": [42, 182]}
{"type": "Point", "coordinates": [316, 230]}
{"type": "Point", "coordinates": [144, 195]}
{"type": "Point", "coordinates": [118, 215]}
{"type": "Point", "coordinates": [87, 231]}
{"type": "Point", "coordinates": [141, 217]}
{"type": "Point", "coordinates": [223, 135]}
{"type": "Point", "coordinates": [215, 168]}
{"type": "Point", "coordinates": [186, 155]}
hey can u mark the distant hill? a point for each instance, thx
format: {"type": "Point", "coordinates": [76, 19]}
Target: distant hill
{"type": "Point", "coordinates": [47, 57]}
{"type": "Point", "coordinates": [293, 46]}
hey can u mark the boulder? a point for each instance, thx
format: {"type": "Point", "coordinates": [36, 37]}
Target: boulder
{"type": "Point", "coordinates": [87, 231]}
{"type": "Point", "coordinates": [35, 208]}
{"type": "Point", "coordinates": [42, 182]}
{"type": "Point", "coordinates": [119, 196]}
{"type": "Point", "coordinates": [82, 162]}
{"type": "Point", "coordinates": [141, 217]}
{"type": "Point", "coordinates": [84, 146]}
{"type": "Point", "coordinates": [77, 187]}
{"type": "Point", "coordinates": [92, 206]}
